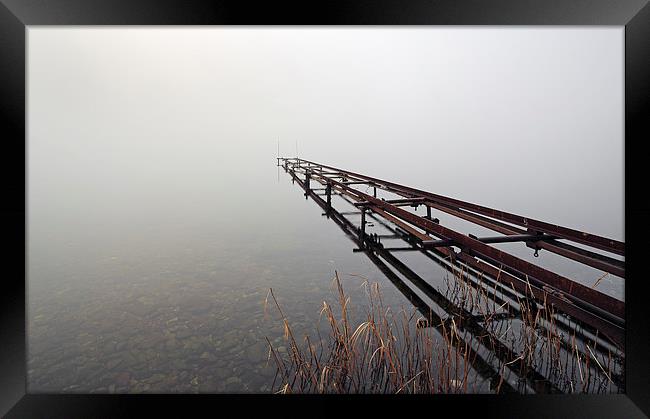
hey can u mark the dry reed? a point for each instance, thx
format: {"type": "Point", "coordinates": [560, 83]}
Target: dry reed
{"type": "Point", "coordinates": [403, 352]}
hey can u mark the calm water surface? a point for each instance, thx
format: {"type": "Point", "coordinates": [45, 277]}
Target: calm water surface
{"type": "Point", "coordinates": [172, 300]}
{"type": "Point", "coordinates": [166, 293]}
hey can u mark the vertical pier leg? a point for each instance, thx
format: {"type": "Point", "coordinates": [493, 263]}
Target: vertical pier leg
{"type": "Point", "coordinates": [428, 212]}
{"type": "Point", "coordinates": [362, 230]}
{"type": "Point", "coordinates": [307, 179]}
{"type": "Point", "coordinates": [374, 191]}
{"type": "Point", "coordinates": [328, 192]}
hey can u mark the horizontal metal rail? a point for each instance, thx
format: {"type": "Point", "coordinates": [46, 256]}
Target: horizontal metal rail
{"type": "Point", "coordinates": [595, 260]}
{"type": "Point", "coordinates": [612, 327]}
{"type": "Point", "coordinates": [600, 310]}
{"type": "Point", "coordinates": [499, 239]}
{"type": "Point", "coordinates": [588, 239]}
{"type": "Point", "coordinates": [480, 249]}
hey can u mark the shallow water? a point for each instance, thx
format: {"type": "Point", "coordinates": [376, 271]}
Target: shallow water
{"type": "Point", "coordinates": [166, 303]}
{"type": "Point", "coordinates": [153, 305]}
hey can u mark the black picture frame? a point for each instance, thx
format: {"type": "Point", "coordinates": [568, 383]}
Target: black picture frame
{"type": "Point", "coordinates": [17, 15]}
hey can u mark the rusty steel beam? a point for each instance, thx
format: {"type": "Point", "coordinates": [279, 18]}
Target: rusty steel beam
{"type": "Point", "coordinates": [586, 313]}
{"type": "Point", "coordinates": [397, 202]}
{"type": "Point", "coordinates": [613, 332]}
{"type": "Point", "coordinates": [416, 234]}
{"type": "Point", "coordinates": [593, 240]}
{"type": "Point", "coordinates": [595, 260]}
{"type": "Point", "coordinates": [610, 332]}
{"type": "Point", "coordinates": [603, 329]}
{"type": "Point", "coordinates": [360, 182]}
{"type": "Point", "coordinates": [391, 249]}
{"type": "Point", "coordinates": [466, 320]}
{"type": "Point", "coordinates": [516, 238]}
{"type": "Point", "coordinates": [499, 239]}
{"type": "Point", "coordinates": [562, 283]}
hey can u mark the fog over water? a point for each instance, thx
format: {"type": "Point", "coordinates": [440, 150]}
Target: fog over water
{"type": "Point", "coordinates": [152, 179]}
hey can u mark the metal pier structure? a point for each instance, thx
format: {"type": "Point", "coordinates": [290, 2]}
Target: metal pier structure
{"type": "Point", "coordinates": [506, 278]}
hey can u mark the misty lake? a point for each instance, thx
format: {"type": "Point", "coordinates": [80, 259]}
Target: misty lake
{"type": "Point", "coordinates": [173, 300]}
{"type": "Point", "coordinates": [158, 220]}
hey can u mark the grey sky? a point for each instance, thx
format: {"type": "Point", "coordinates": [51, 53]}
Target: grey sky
{"type": "Point", "coordinates": [528, 120]}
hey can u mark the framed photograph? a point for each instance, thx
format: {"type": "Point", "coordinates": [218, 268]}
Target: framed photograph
{"type": "Point", "coordinates": [274, 206]}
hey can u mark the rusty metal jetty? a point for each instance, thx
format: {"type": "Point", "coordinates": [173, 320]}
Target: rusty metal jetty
{"type": "Point", "coordinates": [498, 271]}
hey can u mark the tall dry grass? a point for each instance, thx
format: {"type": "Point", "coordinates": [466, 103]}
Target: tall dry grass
{"type": "Point", "coordinates": [407, 352]}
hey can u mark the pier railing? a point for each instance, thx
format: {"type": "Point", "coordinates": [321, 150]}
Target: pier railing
{"type": "Point", "coordinates": [597, 313]}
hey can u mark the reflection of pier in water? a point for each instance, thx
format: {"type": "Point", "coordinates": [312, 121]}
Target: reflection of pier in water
{"type": "Point", "coordinates": [586, 315]}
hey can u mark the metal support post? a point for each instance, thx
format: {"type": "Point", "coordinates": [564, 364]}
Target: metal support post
{"type": "Point", "coordinates": [328, 192]}
{"type": "Point", "coordinates": [362, 230]}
